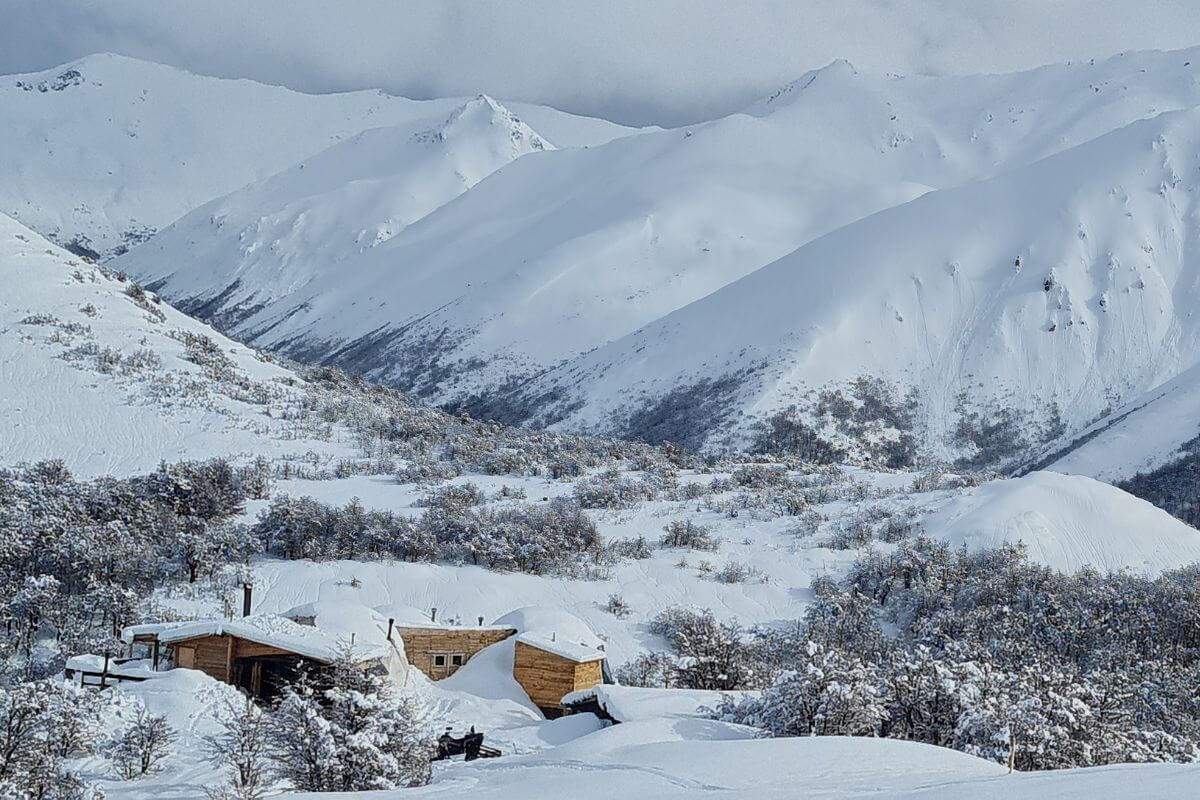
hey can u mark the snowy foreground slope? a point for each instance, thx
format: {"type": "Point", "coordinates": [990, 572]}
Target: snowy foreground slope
{"type": "Point", "coordinates": [103, 151]}
{"type": "Point", "coordinates": [647, 237]}
{"type": "Point", "coordinates": [663, 753]}
{"type": "Point", "coordinates": [108, 382]}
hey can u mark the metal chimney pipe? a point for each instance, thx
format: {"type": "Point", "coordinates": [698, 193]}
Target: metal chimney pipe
{"type": "Point", "coordinates": [247, 592]}
{"type": "Point", "coordinates": [481, 622]}
{"type": "Point", "coordinates": [391, 622]}
{"type": "Point", "coordinates": [433, 614]}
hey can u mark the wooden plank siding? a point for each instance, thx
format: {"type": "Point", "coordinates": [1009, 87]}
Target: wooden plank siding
{"type": "Point", "coordinates": [547, 677]}
{"type": "Point", "coordinates": [422, 644]}
{"type": "Point", "coordinates": [215, 655]}
{"type": "Point", "coordinates": [211, 655]}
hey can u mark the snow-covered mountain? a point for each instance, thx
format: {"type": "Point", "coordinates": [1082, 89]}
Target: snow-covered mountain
{"type": "Point", "coordinates": [1069, 282]}
{"type": "Point", "coordinates": [310, 222]}
{"type": "Point", "coordinates": [101, 152]}
{"type": "Point", "coordinates": [112, 380]}
{"type": "Point", "coordinates": [647, 237]}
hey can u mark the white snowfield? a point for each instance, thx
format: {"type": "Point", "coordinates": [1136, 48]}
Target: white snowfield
{"type": "Point", "coordinates": [665, 750]}
{"type": "Point", "coordinates": [60, 317]}
{"type": "Point", "coordinates": [107, 146]}
{"type": "Point", "coordinates": [1068, 522]}
{"type": "Point", "coordinates": [681, 756]}
{"type": "Point", "coordinates": [849, 224]}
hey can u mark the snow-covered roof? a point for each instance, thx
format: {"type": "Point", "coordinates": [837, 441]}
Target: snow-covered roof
{"type": "Point", "coordinates": [555, 631]}
{"type": "Point", "coordinates": [559, 647]}
{"type": "Point", "coordinates": [146, 628]}
{"type": "Point", "coordinates": [276, 631]}
{"type": "Point", "coordinates": [411, 617]}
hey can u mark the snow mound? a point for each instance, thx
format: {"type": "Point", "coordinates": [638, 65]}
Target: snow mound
{"type": "Point", "coordinates": [636, 703]}
{"type": "Point", "coordinates": [343, 620]}
{"type": "Point", "coordinates": [404, 614]}
{"type": "Point", "coordinates": [1068, 522]}
{"type": "Point", "coordinates": [544, 619]}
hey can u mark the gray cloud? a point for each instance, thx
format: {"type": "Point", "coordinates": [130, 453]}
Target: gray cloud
{"type": "Point", "coordinates": [663, 61]}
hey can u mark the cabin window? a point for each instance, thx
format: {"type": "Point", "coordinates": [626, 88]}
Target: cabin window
{"type": "Point", "coordinates": [456, 660]}
{"type": "Point", "coordinates": [439, 659]}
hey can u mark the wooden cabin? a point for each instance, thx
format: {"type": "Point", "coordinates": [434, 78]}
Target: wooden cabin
{"type": "Point", "coordinates": [438, 651]}
{"type": "Point", "coordinates": [554, 654]}
{"type": "Point", "coordinates": [550, 670]}
{"type": "Point", "coordinates": [260, 655]}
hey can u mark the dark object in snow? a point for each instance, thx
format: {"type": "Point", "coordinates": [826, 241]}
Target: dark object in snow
{"type": "Point", "coordinates": [470, 746]}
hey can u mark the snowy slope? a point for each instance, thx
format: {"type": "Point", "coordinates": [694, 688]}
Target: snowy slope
{"type": "Point", "coordinates": [102, 380]}
{"type": "Point", "coordinates": [1140, 436]}
{"type": "Point", "coordinates": [559, 254]}
{"type": "Point", "coordinates": [105, 150]}
{"type": "Point", "coordinates": [1067, 522]}
{"type": "Point", "coordinates": [657, 755]}
{"type": "Point", "coordinates": [308, 223]}
{"type": "Point", "coordinates": [1069, 282]}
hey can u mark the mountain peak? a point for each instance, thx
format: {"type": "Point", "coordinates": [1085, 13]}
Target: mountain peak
{"type": "Point", "coordinates": [477, 116]}
{"type": "Point", "coordinates": [836, 71]}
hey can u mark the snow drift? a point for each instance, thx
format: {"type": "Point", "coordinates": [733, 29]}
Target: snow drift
{"type": "Point", "coordinates": [1068, 522]}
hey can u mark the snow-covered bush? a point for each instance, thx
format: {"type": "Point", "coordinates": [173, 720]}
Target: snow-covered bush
{"type": "Point", "coordinates": [685, 533]}
{"type": "Point", "coordinates": [829, 693]}
{"type": "Point", "coordinates": [617, 606]}
{"type": "Point", "coordinates": [737, 572]}
{"type": "Point", "coordinates": [609, 490]}
{"type": "Point", "coordinates": [41, 724]}
{"type": "Point", "coordinates": [707, 653]}
{"type": "Point", "coordinates": [649, 670]}
{"type": "Point", "coordinates": [454, 497]}
{"type": "Point", "coordinates": [638, 549]}
{"type": "Point", "coordinates": [991, 654]}
{"type": "Point", "coordinates": [786, 433]}
{"type": "Point", "coordinates": [142, 745]}
{"type": "Point", "coordinates": [242, 747]}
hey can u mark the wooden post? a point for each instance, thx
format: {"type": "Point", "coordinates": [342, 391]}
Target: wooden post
{"type": "Point", "coordinates": [229, 660]}
{"type": "Point", "coordinates": [154, 654]}
{"type": "Point", "coordinates": [104, 671]}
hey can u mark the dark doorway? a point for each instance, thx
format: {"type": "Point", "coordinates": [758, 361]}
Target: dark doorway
{"type": "Point", "coordinates": [265, 677]}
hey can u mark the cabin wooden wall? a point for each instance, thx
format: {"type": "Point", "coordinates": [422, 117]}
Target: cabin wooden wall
{"type": "Point", "coordinates": [547, 677]}
{"type": "Point", "coordinates": [214, 655]}
{"type": "Point", "coordinates": [421, 644]}
{"type": "Point", "coordinates": [588, 675]}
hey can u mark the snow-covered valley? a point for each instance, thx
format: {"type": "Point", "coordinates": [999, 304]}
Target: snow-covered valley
{"type": "Point", "coordinates": [843, 446]}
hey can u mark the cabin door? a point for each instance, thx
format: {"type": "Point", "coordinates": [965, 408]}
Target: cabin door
{"type": "Point", "coordinates": [185, 657]}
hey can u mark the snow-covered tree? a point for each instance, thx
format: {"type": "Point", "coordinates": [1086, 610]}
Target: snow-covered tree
{"type": "Point", "coordinates": [142, 745]}
{"type": "Point", "coordinates": [242, 747]}
{"type": "Point", "coordinates": [356, 735]}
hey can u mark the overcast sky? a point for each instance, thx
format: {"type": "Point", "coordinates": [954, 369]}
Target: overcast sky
{"type": "Point", "coordinates": [641, 61]}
